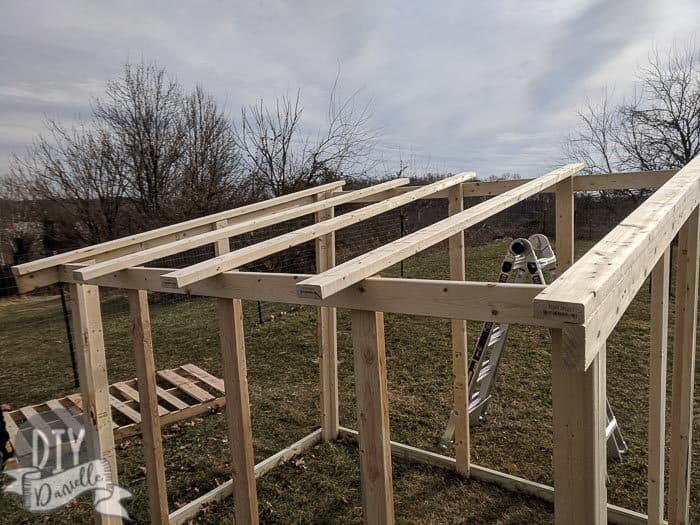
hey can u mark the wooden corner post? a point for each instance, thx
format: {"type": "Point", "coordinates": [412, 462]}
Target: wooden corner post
{"type": "Point", "coordinates": [240, 434]}
{"type": "Point", "coordinates": [327, 334]}
{"type": "Point", "coordinates": [373, 416]}
{"type": "Point", "coordinates": [94, 384]}
{"type": "Point", "coordinates": [460, 380]}
{"type": "Point", "coordinates": [148, 406]}
{"type": "Point", "coordinates": [578, 399]}
{"type": "Point", "coordinates": [683, 371]}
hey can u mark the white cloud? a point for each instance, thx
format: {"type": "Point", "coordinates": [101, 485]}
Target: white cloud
{"type": "Point", "coordinates": [487, 86]}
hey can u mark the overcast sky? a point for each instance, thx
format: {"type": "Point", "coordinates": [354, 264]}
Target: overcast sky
{"type": "Point", "coordinates": [490, 86]}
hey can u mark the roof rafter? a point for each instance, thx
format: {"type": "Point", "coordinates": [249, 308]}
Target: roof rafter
{"type": "Point", "coordinates": [238, 258]}
{"type": "Point", "coordinates": [182, 245]}
{"type": "Point", "coordinates": [44, 272]}
{"type": "Point", "coordinates": [363, 266]}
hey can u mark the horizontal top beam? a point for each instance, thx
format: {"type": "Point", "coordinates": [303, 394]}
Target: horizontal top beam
{"type": "Point", "coordinates": [238, 258]}
{"type": "Point", "coordinates": [618, 264]}
{"type": "Point", "coordinates": [504, 303]}
{"type": "Point", "coordinates": [329, 282]}
{"type": "Point", "coordinates": [182, 245]}
{"type": "Point", "coordinates": [606, 181]}
{"type": "Point", "coordinates": [44, 272]}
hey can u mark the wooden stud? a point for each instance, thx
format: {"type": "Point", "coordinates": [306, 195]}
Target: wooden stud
{"type": "Point", "coordinates": [564, 224]}
{"type": "Point", "coordinates": [683, 371]}
{"type": "Point", "coordinates": [327, 335]}
{"type": "Point", "coordinates": [578, 400]}
{"type": "Point", "coordinates": [240, 432]}
{"type": "Point", "coordinates": [657, 388]}
{"type": "Point", "coordinates": [228, 261]}
{"type": "Point", "coordinates": [92, 372]}
{"type": "Point", "coordinates": [232, 340]}
{"type": "Point", "coordinates": [373, 416]}
{"type": "Point", "coordinates": [501, 303]}
{"type": "Point", "coordinates": [359, 268]}
{"type": "Point", "coordinates": [460, 381]}
{"type": "Point", "coordinates": [148, 406]}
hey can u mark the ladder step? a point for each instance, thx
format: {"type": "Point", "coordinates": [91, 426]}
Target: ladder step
{"type": "Point", "coordinates": [483, 373]}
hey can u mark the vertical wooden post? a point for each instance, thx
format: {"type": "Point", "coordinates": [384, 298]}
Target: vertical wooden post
{"type": "Point", "coordinates": [564, 225]}
{"type": "Point", "coordinates": [657, 388]}
{"type": "Point", "coordinates": [148, 406]}
{"type": "Point", "coordinates": [327, 335]}
{"type": "Point", "coordinates": [578, 398]}
{"type": "Point", "coordinates": [683, 371]}
{"type": "Point", "coordinates": [373, 416]}
{"type": "Point", "coordinates": [240, 435]}
{"type": "Point", "coordinates": [460, 381]}
{"type": "Point", "coordinates": [94, 384]}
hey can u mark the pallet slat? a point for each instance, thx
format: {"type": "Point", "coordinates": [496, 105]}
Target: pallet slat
{"type": "Point", "coordinates": [185, 385]}
{"type": "Point", "coordinates": [205, 377]}
{"type": "Point", "coordinates": [133, 394]}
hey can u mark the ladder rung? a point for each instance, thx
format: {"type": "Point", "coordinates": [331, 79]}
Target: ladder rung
{"type": "Point", "coordinates": [610, 428]}
{"type": "Point", "coordinates": [485, 371]}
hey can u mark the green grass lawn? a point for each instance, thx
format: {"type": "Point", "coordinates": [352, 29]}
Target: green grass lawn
{"type": "Point", "coordinates": [283, 376]}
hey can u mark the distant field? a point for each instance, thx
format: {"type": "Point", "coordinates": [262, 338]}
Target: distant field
{"type": "Point", "coordinates": [323, 485]}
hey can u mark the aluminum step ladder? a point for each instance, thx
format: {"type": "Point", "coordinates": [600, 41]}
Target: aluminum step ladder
{"type": "Point", "coordinates": [527, 259]}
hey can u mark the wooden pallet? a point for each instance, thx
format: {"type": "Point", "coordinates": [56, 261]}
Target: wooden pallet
{"type": "Point", "coordinates": [183, 392]}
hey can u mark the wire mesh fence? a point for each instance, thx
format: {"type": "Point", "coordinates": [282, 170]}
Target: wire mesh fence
{"type": "Point", "coordinates": [594, 217]}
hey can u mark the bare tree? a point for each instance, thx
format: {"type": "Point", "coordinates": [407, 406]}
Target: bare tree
{"type": "Point", "coordinates": [80, 172]}
{"type": "Point", "coordinates": [660, 124]}
{"type": "Point", "coordinates": [281, 158]}
{"type": "Point", "coordinates": [142, 111]}
{"type": "Point", "coordinates": [658, 127]}
{"type": "Point", "coordinates": [211, 179]}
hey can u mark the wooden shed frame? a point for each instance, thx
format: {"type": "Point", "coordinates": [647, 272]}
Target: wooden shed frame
{"type": "Point", "coordinates": [581, 308]}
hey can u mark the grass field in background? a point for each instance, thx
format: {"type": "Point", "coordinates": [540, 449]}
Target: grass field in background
{"type": "Point", "coordinates": [322, 485]}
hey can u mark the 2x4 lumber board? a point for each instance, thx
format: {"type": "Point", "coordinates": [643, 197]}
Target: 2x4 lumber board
{"type": "Point", "coordinates": [616, 515]}
{"type": "Point", "coordinates": [238, 258]}
{"type": "Point", "coordinates": [578, 399]}
{"type": "Point", "coordinates": [683, 370]}
{"type": "Point", "coordinates": [219, 232]}
{"type": "Point", "coordinates": [478, 301]}
{"type": "Point", "coordinates": [598, 288]}
{"type": "Point", "coordinates": [92, 372]}
{"type": "Point", "coordinates": [326, 335]}
{"type": "Point", "coordinates": [232, 342]}
{"type": "Point", "coordinates": [205, 377]}
{"type": "Point", "coordinates": [600, 182]}
{"type": "Point", "coordinates": [373, 416]}
{"type": "Point", "coordinates": [142, 341]}
{"type": "Point", "coordinates": [187, 512]}
{"type": "Point", "coordinates": [43, 272]}
{"type": "Point", "coordinates": [564, 223]}
{"type": "Point", "coordinates": [657, 388]}
{"type": "Point", "coordinates": [460, 382]}
{"type": "Point", "coordinates": [353, 271]}
{"type": "Point", "coordinates": [187, 386]}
